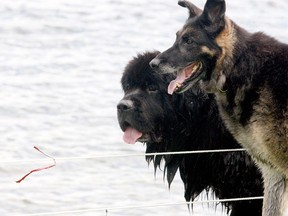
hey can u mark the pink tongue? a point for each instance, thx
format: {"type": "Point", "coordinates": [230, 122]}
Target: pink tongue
{"type": "Point", "coordinates": [131, 135]}
{"type": "Point", "coordinates": [173, 84]}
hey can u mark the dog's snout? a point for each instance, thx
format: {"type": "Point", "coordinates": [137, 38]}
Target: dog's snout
{"type": "Point", "coordinates": [155, 63]}
{"type": "Point", "coordinates": [124, 105]}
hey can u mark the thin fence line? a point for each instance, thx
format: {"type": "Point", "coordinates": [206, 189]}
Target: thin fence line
{"type": "Point", "coordinates": [107, 210]}
{"type": "Point", "coordinates": [123, 155]}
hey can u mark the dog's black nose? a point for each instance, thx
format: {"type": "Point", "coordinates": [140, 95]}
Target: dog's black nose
{"type": "Point", "coordinates": [154, 63]}
{"type": "Point", "coordinates": [124, 105]}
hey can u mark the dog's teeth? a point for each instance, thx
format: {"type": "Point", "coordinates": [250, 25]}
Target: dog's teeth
{"type": "Point", "coordinates": [194, 68]}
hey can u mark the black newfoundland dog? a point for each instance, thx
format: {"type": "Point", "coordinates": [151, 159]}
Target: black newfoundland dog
{"type": "Point", "coordinates": [183, 123]}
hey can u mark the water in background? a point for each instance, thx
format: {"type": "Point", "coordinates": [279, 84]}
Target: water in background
{"type": "Point", "coordinates": [60, 67]}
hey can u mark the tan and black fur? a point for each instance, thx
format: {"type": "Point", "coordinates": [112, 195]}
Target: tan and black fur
{"type": "Point", "coordinates": [248, 73]}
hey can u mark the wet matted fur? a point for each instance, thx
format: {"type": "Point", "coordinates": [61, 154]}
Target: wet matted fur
{"type": "Point", "coordinates": [183, 123]}
{"type": "Point", "coordinates": [248, 73]}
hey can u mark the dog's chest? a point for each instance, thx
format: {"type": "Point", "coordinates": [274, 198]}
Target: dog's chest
{"type": "Point", "coordinates": [231, 118]}
{"type": "Point", "coordinates": [264, 134]}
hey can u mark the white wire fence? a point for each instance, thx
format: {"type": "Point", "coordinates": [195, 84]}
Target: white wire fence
{"type": "Point", "coordinates": [122, 155]}
{"type": "Point", "coordinates": [107, 210]}
{"type": "Point", "coordinates": [113, 209]}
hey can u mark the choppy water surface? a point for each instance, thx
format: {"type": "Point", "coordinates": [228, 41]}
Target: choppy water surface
{"type": "Point", "coordinates": [60, 63]}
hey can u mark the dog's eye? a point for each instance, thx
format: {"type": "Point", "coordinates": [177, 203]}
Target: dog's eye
{"type": "Point", "coordinates": [187, 40]}
{"type": "Point", "coordinates": [152, 89]}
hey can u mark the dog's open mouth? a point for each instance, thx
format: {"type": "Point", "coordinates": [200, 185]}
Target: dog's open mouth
{"type": "Point", "coordinates": [182, 81]}
{"type": "Point", "coordinates": [132, 135]}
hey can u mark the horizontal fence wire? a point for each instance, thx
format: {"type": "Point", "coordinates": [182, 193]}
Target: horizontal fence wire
{"type": "Point", "coordinates": [123, 155]}
{"type": "Point", "coordinates": [118, 208]}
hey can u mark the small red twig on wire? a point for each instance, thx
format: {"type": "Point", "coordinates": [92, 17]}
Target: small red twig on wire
{"type": "Point", "coordinates": [39, 169]}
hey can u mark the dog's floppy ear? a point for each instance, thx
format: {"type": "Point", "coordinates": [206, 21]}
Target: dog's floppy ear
{"type": "Point", "coordinates": [214, 14]}
{"type": "Point", "coordinates": [193, 10]}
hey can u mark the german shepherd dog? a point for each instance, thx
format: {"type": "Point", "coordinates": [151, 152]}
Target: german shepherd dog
{"type": "Point", "coordinates": [186, 122]}
{"type": "Point", "coordinates": [248, 73]}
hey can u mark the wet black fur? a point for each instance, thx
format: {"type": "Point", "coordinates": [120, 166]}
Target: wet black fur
{"type": "Point", "coordinates": [186, 122]}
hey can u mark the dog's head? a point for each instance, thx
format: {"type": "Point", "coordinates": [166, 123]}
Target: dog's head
{"type": "Point", "coordinates": [142, 110]}
{"type": "Point", "coordinates": [199, 46]}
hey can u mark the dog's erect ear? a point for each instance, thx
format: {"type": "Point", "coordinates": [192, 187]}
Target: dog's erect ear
{"type": "Point", "coordinates": [193, 10]}
{"type": "Point", "coordinates": [214, 14]}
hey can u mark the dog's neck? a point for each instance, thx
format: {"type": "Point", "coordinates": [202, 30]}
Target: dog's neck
{"type": "Point", "coordinates": [229, 42]}
{"type": "Point", "coordinates": [226, 40]}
